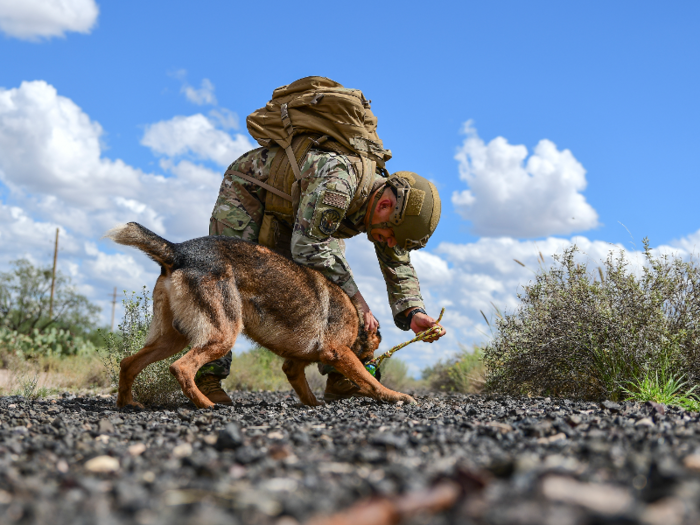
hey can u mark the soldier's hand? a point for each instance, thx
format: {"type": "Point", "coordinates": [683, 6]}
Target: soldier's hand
{"type": "Point", "coordinates": [371, 323]}
{"type": "Point", "coordinates": [421, 322]}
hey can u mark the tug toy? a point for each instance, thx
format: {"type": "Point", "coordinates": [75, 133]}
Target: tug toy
{"type": "Point", "coordinates": [373, 365]}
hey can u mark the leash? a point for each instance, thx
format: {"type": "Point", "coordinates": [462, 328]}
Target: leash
{"type": "Point", "coordinates": [373, 365]}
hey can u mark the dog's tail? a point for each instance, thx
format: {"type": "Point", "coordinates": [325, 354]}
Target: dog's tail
{"type": "Point", "coordinates": [157, 248]}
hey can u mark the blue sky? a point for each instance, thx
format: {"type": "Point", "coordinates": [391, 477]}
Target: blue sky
{"type": "Point", "coordinates": [542, 123]}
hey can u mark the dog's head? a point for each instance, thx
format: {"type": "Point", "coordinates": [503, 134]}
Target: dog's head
{"type": "Point", "coordinates": [366, 343]}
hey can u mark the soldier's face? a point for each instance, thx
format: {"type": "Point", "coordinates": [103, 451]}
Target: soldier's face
{"type": "Point", "coordinates": [384, 235]}
{"type": "Point", "coordinates": [382, 213]}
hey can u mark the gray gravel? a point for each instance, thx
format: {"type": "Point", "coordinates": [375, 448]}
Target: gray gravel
{"type": "Point", "coordinates": [269, 460]}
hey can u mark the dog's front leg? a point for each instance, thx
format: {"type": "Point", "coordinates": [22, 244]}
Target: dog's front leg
{"type": "Point", "coordinates": [294, 371]}
{"type": "Point", "coordinates": [348, 364]}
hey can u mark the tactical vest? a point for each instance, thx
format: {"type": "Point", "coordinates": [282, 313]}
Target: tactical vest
{"type": "Point", "coordinates": [284, 191]}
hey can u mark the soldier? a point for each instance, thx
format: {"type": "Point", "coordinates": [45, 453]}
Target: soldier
{"type": "Point", "coordinates": [392, 221]}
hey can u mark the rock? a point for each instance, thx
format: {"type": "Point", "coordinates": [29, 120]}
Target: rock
{"type": "Point", "coordinates": [611, 405]}
{"type": "Point", "coordinates": [601, 498]}
{"type": "Point", "coordinates": [692, 462]}
{"type": "Point", "coordinates": [105, 426]}
{"type": "Point", "coordinates": [183, 450]}
{"type": "Point", "coordinates": [229, 437]}
{"type": "Point", "coordinates": [137, 449]}
{"type": "Point", "coordinates": [388, 439]}
{"type": "Point", "coordinates": [644, 422]}
{"type": "Point", "coordinates": [102, 464]}
{"type": "Point", "coordinates": [656, 408]}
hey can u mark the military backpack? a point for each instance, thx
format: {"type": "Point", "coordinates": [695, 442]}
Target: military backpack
{"type": "Point", "coordinates": [318, 113]}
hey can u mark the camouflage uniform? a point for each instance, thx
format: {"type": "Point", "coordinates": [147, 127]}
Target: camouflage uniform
{"type": "Point", "coordinates": [328, 185]}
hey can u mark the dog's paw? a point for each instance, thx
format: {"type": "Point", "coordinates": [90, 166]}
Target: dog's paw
{"type": "Point", "coordinates": [131, 405]}
{"type": "Point", "coordinates": [405, 398]}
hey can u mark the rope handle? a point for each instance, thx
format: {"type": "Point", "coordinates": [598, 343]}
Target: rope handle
{"type": "Point", "coordinates": [373, 365]}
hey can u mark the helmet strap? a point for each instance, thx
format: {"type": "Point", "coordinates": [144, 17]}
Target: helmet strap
{"type": "Point", "coordinates": [371, 209]}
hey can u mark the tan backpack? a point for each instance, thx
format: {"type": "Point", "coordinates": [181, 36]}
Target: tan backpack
{"type": "Point", "coordinates": [313, 112]}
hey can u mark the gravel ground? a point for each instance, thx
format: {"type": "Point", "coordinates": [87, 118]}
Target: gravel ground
{"type": "Point", "coordinates": [268, 460]}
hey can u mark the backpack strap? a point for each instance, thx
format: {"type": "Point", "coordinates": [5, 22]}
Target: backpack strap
{"type": "Point", "coordinates": [259, 183]}
{"type": "Point", "coordinates": [364, 170]}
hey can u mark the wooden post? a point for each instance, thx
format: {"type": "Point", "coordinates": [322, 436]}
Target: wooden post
{"type": "Point", "coordinates": [114, 305]}
{"type": "Point", "coordinates": [53, 276]}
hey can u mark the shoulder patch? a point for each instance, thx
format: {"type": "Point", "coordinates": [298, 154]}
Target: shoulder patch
{"type": "Point", "coordinates": [337, 200]}
{"type": "Point", "coordinates": [329, 221]}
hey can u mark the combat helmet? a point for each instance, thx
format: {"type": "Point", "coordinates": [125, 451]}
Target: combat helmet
{"type": "Point", "coordinates": [417, 210]}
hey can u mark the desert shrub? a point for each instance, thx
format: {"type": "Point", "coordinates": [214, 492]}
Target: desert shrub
{"type": "Point", "coordinates": [581, 336]}
{"type": "Point", "coordinates": [463, 373]}
{"type": "Point", "coordinates": [154, 385]}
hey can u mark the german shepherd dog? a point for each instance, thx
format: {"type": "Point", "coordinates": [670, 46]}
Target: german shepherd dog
{"type": "Point", "coordinates": [213, 288]}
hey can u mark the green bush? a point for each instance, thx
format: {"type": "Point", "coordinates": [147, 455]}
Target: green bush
{"type": "Point", "coordinates": [154, 385]}
{"type": "Point", "coordinates": [50, 343]}
{"type": "Point", "coordinates": [579, 336]}
{"type": "Point", "coordinates": [464, 373]}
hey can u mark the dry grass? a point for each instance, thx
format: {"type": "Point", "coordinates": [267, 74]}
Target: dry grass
{"type": "Point", "coordinates": [42, 376]}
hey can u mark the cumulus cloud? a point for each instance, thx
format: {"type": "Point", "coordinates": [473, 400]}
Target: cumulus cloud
{"type": "Point", "coordinates": [195, 135]}
{"type": "Point", "coordinates": [36, 19]}
{"type": "Point", "coordinates": [201, 96]}
{"type": "Point", "coordinates": [511, 196]}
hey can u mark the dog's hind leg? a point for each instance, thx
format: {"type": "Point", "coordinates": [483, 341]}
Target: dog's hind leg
{"type": "Point", "coordinates": [294, 370]}
{"type": "Point", "coordinates": [185, 368]}
{"type": "Point", "coordinates": [347, 363]}
{"type": "Point", "coordinates": [164, 346]}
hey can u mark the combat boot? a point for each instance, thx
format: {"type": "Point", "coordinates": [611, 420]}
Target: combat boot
{"type": "Point", "coordinates": [210, 386]}
{"type": "Point", "coordinates": [339, 387]}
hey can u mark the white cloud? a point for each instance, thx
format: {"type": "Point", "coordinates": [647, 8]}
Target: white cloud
{"type": "Point", "coordinates": [225, 118]}
{"type": "Point", "coordinates": [36, 19]}
{"type": "Point", "coordinates": [201, 96]}
{"type": "Point", "coordinates": [510, 197]}
{"type": "Point", "coordinates": [690, 244]}
{"type": "Point", "coordinates": [195, 135]}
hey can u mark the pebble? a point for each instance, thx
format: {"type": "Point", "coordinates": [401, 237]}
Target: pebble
{"type": "Point", "coordinates": [270, 461]}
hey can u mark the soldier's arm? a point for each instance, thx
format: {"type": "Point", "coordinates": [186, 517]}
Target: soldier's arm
{"type": "Point", "coordinates": [326, 192]}
{"type": "Point", "coordinates": [401, 282]}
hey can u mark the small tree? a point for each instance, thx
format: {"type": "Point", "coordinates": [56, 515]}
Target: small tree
{"type": "Point", "coordinates": [25, 296]}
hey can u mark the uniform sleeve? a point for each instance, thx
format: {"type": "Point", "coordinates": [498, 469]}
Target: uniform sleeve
{"type": "Point", "coordinates": [401, 282]}
{"type": "Point", "coordinates": [328, 185]}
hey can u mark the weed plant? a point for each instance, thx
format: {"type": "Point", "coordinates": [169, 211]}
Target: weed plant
{"type": "Point", "coordinates": [579, 336]}
{"type": "Point", "coordinates": [154, 385]}
{"type": "Point", "coordinates": [668, 391]}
